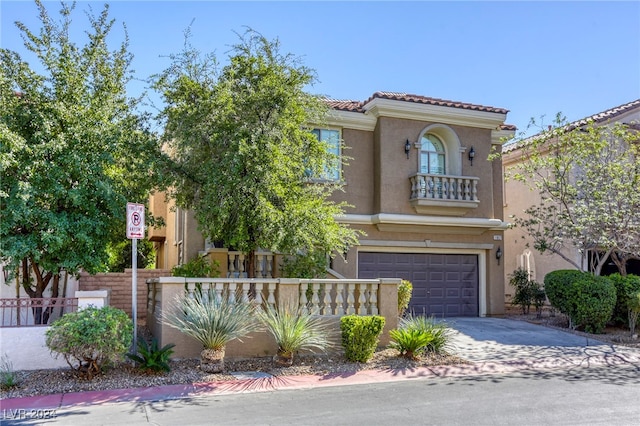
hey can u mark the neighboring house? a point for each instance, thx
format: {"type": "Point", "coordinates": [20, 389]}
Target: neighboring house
{"type": "Point", "coordinates": [518, 197]}
{"type": "Point", "coordinates": [423, 191]}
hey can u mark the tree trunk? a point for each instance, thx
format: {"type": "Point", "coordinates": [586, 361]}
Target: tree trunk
{"type": "Point", "coordinates": [620, 262]}
{"type": "Point", "coordinates": [283, 358]}
{"type": "Point", "coordinates": [42, 281]}
{"type": "Point", "coordinates": [212, 360]}
{"type": "Point", "coordinates": [55, 293]}
{"type": "Point", "coordinates": [251, 261]}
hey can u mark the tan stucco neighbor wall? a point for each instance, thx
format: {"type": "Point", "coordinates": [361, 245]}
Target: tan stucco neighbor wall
{"type": "Point", "coordinates": [518, 196]}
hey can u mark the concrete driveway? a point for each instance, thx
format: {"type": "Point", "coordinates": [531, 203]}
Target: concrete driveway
{"type": "Point", "coordinates": [498, 340]}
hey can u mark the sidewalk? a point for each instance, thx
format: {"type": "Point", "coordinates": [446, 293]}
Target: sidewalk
{"type": "Point", "coordinates": [494, 346]}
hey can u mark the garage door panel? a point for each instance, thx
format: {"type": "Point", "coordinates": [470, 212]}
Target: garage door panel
{"type": "Point", "coordinates": [452, 277]}
{"type": "Point", "coordinates": [453, 293]}
{"type": "Point", "coordinates": [436, 276]}
{"type": "Point", "coordinates": [443, 284]}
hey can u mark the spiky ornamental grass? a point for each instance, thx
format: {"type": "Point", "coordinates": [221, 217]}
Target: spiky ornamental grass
{"type": "Point", "coordinates": [212, 319]}
{"type": "Point", "coordinates": [295, 329]}
{"type": "Point", "coordinates": [440, 332]}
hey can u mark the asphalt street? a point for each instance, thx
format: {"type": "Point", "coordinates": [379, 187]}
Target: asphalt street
{"type": "Point", "coordinates": [578, 396]}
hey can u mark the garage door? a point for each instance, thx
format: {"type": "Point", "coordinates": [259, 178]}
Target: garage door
{"type": "Point", "coordinates": [444, 285]}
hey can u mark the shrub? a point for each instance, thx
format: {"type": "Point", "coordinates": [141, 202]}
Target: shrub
{"type": "Point", "coordinates": [527, 292]}
{"type": "Point", "coordinates": [91, 338]}
{"type": "Point", "coordinates": [593, 299]}
{"type": "Point", "coordinates": [404, 296]}
{"type": "Point", "coordinates": [294, 329]}
{"type": "Point", "coordinates": [198, 267]}
{"type": "Point", "coordinates": [360, 336]}
{"type": "Point", "coordinates": [626, 286]}
{"type": "Point", "coordinates": [557, 285]}
{"type": "Point", "coordinates": [150, 357]}
{"type": "Point", "coordinates": [8, 377]}
{"type": "Point", "coordinates": [633, 304]}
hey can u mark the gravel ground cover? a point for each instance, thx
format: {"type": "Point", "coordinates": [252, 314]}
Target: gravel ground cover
{"type": "Point", "coordinates": [187, 371]}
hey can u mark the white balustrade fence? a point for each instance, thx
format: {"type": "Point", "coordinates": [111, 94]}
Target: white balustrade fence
{"type": "Point", "coordinates": [325, 297]}
{"type": "Point", "coordinates": [237, 264]}
{"type": "Point", "coordinates": [444, 187]}
{"type": "Point", "coordinates": [340, 297]}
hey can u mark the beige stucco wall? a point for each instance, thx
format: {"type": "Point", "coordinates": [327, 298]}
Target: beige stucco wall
{"type": "Point", "coordinates": [377, 181]}
{"type": "Point", "coordinates": [519, 197]}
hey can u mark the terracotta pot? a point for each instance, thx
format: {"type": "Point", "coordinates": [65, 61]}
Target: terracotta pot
{"type": "Point", "coordinates": [212, 360]}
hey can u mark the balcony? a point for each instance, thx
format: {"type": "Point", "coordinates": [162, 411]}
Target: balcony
{"type": "Point", "coordinates": [443, 195]}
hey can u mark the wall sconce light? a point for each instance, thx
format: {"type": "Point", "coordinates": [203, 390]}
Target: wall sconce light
{"type": "Point", "coordinates": [407, 148]}
{"type": "Point", "coordinates": [472, 154]}
{"type": "Point", "coordinates": [498, 254]}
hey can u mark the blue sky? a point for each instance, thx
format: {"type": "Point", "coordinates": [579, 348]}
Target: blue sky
{"type": "Point", "coordinates": [533, 58]}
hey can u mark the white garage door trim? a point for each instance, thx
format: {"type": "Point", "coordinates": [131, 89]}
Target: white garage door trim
{"type": "Point", "coordinates": [482, 270]}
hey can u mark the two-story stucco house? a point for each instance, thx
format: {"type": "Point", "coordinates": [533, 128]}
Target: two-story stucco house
{"type": "Point", "coordinates": [422, 190]}
{"type": "Point", "coordinates": [519, 197]}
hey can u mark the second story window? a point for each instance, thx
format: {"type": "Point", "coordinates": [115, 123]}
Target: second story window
{"type": "Point", "coordinates": [332, 138]}
{"type": "Point", "coordinates": [432, 155]}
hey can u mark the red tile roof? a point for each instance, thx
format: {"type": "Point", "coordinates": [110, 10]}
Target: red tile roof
{"type": "Point", "coordinates": [358, 106]}
{"type": "Point", "coordinates": [601, 117]}
{"type": "Point", "coordinates": [608, 114]}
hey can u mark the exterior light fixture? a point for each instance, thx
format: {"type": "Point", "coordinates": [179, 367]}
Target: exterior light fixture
{"type": "Point", "coordinates": [407, 148]}
{"type": "Point", "coordinates": [472, 154]}
{"type": "Point", "coordinates": [498, 254]}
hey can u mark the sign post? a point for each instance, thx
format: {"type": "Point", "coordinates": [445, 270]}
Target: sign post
{"type": "Point", "coordinates": [135, 231]}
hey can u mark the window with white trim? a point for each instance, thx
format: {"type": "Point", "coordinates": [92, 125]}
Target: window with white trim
{"type": "Point", "coordinates": [332, 138]}
{"type": "Point", "coordinates": [432, 155]}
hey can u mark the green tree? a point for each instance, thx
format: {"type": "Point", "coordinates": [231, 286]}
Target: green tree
{"type": "Point", "coordinates": [587, 175]}
{"type": "Point", "coordinates": [73, 150]}
{"type": "Point", "coordinates": [120, 255]}
{"type": "Point", "coordinates": [244, 152]}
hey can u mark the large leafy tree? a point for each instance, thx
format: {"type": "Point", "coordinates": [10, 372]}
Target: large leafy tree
{"type": "Point", "coordinates": [244, 153]}
{"type": "Point", "coordinates": [587, 175]}
{"type": "Point", "coordinates": [73, 150]}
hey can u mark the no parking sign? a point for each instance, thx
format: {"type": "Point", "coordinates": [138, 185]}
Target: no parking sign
{"type": "Point", "coordinates": [135, 221]}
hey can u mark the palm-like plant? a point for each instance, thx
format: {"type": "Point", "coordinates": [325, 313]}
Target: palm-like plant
{"type": "Point", "coordinates": [409, 342]}
{"type": "Point", "coordinates": [294, 329]}
{"type": "Point", "coordinates": [440, 332]}
{"type": "Point", "coordinates": [418, 334]}
{"type": "Point", "coordinates": [214, 320]}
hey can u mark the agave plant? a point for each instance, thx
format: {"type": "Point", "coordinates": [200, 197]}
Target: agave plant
{"type": "Point", "coordinates": [150, 356]}
{"type": "Point", "coordinates": [213, 320]}
{"type": "Point", "coordinates": [294, 329]}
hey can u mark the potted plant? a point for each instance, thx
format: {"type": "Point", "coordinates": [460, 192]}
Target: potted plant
{"type": "Point", "coordinates": [294, 329]}
{"type": "Point", "coordinates": [214, 320]}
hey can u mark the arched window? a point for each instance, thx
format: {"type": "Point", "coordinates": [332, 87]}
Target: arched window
{"type": "Point", "coordinates": [432, 155]}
